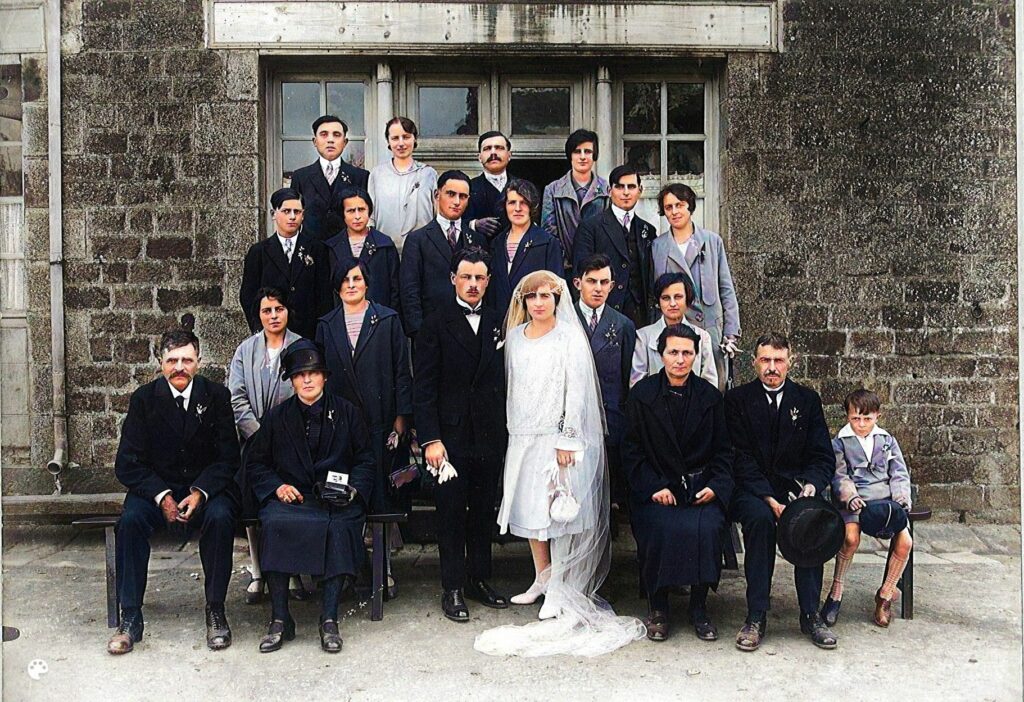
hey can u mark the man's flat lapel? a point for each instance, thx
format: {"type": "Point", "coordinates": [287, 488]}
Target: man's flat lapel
{"type": "Point", "coordinates": [166, 406]}
{"type": "Point", "coordinates": [198, 403]}
{"type": "Point", "coordinates": [760, 420]}
{"type": "Point", "coordinates": [439, 240]}
{"type": "Point", "coordinates": [459, 327]}
{"type": "Point", "coordinates": [603, 334]}
{"type": "Point", "coordinates": [614, 231]}
{"type": "Point", "coordinates": [486, 338]}
{"type": "Point", "coordinates": [276, 254]}
{"type": "Point", "coordinates": [320, 184]}
{"type": "Point", "coordinates": [787, 419]}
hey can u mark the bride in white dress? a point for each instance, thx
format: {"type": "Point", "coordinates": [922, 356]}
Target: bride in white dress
{"type": "Point", "coordinates": [556, 438]}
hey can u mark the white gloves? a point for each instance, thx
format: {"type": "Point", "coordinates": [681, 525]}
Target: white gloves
{"type": "Point", "coordinates": [729, 347]}
{"type": "Point", "coordinates": [446, 472]}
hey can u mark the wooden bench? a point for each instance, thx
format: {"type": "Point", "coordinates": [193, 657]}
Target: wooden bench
{"type": "Point", "coordinates": [380, 531]}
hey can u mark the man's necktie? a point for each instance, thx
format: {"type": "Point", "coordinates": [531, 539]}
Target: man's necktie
{"type": "Point", "coordinates": [594, 321]}
{"type": "Point", "coordinates": [330, 173]}
{"type": "Point", "coordinates": [625, 222]}
{"type": "Point", "coordinates": [773, 403]}
{"type": "Point", "coordinates": [288, 249]}
{"type": "Point", "coordinates": [180, 400]}
{"type": "Point", "coordinates": [453, 235]}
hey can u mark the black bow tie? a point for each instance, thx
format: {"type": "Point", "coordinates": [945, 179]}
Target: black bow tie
{"type": "Point", "coordinates": [467, 311]}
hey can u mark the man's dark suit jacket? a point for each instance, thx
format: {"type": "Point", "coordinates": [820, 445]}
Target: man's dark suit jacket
{"type": "Point", "coordinates": [306, 281]}
{"type": "Point", "coordinates": [324, 216]}
{"type": "Point", "coordinates": [767, 464]}
{"type": "Point", "coordinates": [160, 450]}
{"type": "Point", "coordinates": [425, 271]}
{"type": "Point", "coordinates": [459, 383]}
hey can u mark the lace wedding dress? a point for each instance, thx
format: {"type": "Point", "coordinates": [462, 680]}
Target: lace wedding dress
{"type": "Point", "coordinates": [554, 402]}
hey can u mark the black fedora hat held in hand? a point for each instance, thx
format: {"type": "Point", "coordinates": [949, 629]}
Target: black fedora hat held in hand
{"type": "Point", "coordinates": [810, 532]}
{"type": "Point", "coordinates": [302, 355]}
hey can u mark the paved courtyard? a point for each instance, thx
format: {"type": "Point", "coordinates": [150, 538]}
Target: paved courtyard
{"type": "Point", "coordinates": [964, 643]}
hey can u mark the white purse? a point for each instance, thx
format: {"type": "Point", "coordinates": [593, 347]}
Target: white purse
{"type": "Point", "coordinates": [564, 507]}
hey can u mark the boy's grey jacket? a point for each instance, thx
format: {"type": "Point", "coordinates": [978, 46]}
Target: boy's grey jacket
{"type": "Point", "coordinates": [884, 476]}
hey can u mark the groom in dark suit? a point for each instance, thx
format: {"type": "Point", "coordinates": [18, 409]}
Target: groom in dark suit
{"type": "Point", "coordinates": [459, 407]}
{"type": "Point", "coordinates": [782, 445]}
{"type": "Point", "coordinates": [322, 182]}
{"type": "Point", "coordinates": [612, 338]}
{"type": "Point", "coordinates": [626, 239]}
{"type": "Point", "coordinates": [178, 458]}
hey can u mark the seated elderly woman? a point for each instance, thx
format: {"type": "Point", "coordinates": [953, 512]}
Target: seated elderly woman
{"type": "Point", "coordinates": [678, 462]}
{"type": "Point", "coordinates": [310, 467]}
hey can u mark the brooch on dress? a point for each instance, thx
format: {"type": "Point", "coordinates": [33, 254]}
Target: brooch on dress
{"type": "Point", "coordinates": [795, 414]}
{"type": "Point", "coordinates": [370, 248]}
{"type": "Point", "coordinates": [330, 416]}
{"type": "Point", "coordinates": [373, 319]}
{"type": "Point", "coordinates": [528, 244]}
{"type": "Point", "coordinates": [306, 258]}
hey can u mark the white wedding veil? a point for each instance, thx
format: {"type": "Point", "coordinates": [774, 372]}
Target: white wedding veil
{"type": "Point", "coordinates": [586, 625]}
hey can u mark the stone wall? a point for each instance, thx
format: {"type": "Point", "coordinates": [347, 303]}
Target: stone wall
{"type": "Point", "coordinates": [868, 208]}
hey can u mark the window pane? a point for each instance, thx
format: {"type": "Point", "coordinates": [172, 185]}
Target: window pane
{"type": "Point", "coordinates": [540, 111]}
{"type": "Point", "coordinates": [10, 103]}
{"type": "Point", "coordinates": [10, 170]}
{"type": "Point", "coordinates": [300, 107]}
{"type": "Point", "coordinates": [685, 108]}
{"type": "Point", "coordinates": [346, 101]}
{"type": "Point", "coordinates": [296, 154]}
{"type": "Point", "coordinates": [355, 153]}
{"type": "Point", "coordinates": [449, 111]}
{"type": "Point", "coordinates": [641, 108]}
{"type": "Point", "coordinates": [685, 158]}
{"type": "Point", "coordinates": [644, 156]}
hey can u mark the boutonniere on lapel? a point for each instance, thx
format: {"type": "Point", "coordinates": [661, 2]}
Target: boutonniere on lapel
{"type": "Point", "coordinates": [343, 176]}
{"type": "Point", "coordinates": [306, 258]}
{"type": "Point", "coordinates": [612, 336]}
{"type": "Point", "coordinates": [645, 232]}
{"type": "Point", "coordinates": [498, 341]}
{"type": "Point", "coordinates": [794, 414]}
{"type": "Point", "coordinates": [374, 319]}
{"type": "Point", "coordinates": [199, 412]}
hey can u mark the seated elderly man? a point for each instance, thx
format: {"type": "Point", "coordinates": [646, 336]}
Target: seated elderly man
{"type": "Point", "coordinates": [178, 457]}
{"type": "Point", "coordinates": [311, 467]}
{"type": "Point", "coordinates": [678, 463]}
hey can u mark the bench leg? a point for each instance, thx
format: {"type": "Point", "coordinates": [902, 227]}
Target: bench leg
{"type": "Point", "coordinates": [385, 590]}
{"type": "Point", "coordinates": [907, 583]}
{"type": "Point", "coordinates": [378, 582]}
{"type": "Point", "coordinates": [113, 606]}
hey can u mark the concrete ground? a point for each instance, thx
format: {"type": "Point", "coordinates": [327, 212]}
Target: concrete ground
{"type": "Point", "coordinates": [964, 643]}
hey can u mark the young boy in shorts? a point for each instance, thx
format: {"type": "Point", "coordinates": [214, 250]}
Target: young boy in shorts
{"type": "Point", "coordinates": [872, 486]}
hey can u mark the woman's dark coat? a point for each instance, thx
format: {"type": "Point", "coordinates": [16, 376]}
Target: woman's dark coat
{"type": "Point", "coordinates": [375, 377]}
{"type": "Point", "coordinates": [677, 545]}
{"type": "Point", "coordinates": [308, 537]}
{"type": "Point", "coordinates": [380, 258]}
{"type": "Point", "coordinates": [537, 251]}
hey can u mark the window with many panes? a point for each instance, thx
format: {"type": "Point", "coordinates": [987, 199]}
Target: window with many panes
{"type": "Point", "coordinates": [664, 132]}
{"type": "Point", "coordinates": [301, 101]}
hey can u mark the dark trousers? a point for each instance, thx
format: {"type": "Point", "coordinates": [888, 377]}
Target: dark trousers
{"type": "Point", "coordinates": [758, 524]}
{"type": "Point", "coordinates": [465, 520]}
{"type": "Point", "coordinates": [140, 518]}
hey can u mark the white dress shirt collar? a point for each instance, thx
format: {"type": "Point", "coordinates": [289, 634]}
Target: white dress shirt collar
{"type": "Point", "coordinates": [498, 181]}
{"type": "Point", "coordinates": [620, 213]}
{"type": "Point", "coordinates": [473, 319]}
{"type": "Point", "coordinates": [589, 312]}
{"type": "Point", "coordinates": [336, 163]}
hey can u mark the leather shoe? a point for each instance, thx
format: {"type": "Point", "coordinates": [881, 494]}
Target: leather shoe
{"type": "Point", "coordinates": [830, 611]}
{"type": "Point", "coordinates": [254, 591]}
{"type": "Point", "coordinates": [453, 604]}
{"type": "Point", "coordinates": [703, 626]}
{"type": "Point", "coordinates": [883, 610]}
{"type": "Point", "coordinates": [129, 633]}
{"type": "Point", "coordinates": [279, 632]}
{"type": "Point", "coordinates": [750, 636]}
{"type": "Point", "coordinates": [483, 593]}
{"type": "Point", "coordinates": [218, 631]}
{"type": "Point", "coordinates": [821, 635]}
{"type": "Point", "coordinates": [330, 637]}
{"type": "Point", "coordinates": [657, 625]}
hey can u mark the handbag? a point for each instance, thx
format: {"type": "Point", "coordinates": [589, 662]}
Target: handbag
{"type": "Point", "coordinates": [564, 507]}
{"type": "Point", "coordinates": [335, 491]}
{"type": "Point", "coordinates": [685, 491]}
